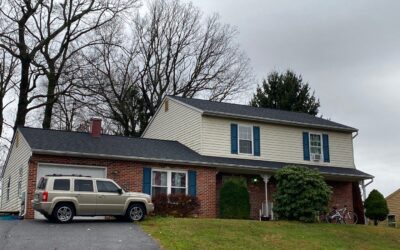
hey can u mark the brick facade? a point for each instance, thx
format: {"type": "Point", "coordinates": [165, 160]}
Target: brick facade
{"type": "Point", "coordinates": [342, 193]}
{"type": "Point", "coordinates": [129, 175]}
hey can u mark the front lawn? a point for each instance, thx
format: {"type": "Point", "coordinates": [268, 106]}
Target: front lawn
{"type": "Point", "coordinates": [175, 233]}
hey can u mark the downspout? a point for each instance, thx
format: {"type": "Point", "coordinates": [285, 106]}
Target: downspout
{"type": "Point", "coordinates": [364, 191]}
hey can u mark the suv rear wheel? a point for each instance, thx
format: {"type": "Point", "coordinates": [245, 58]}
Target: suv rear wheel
{"type": "Point", "coordinates": [136, 212]}
{"type": "Point", "coordinates": [64, 213]}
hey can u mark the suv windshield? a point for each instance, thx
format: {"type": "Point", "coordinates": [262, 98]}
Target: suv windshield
{"type": "Point", "coordinates": [42, 183]}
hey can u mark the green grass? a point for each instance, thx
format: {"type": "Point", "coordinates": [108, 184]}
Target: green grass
{"type": "Point", "coordinates": [175, 233]}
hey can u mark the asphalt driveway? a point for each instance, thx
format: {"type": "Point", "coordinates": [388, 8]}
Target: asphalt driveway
{"type": "Point", "coordinates": [40, 234]}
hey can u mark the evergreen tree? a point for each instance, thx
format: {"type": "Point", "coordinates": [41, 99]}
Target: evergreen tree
{"type": "Point", "coordinates": [376, 207]}
{"type": "Point", "coordinates": [287, 92]}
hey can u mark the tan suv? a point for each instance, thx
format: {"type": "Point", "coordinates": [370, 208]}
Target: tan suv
{"type": "Point", "coordinates": [60, 198]}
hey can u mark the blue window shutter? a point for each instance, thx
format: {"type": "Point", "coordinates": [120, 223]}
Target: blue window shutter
{"type": "Point", "coordinates": [306, 146]}
{"type": "Point", "coordinates": [234, 138]}
{"type": "Point", "coordinates": [256, 135]}
{"type": "Point", "coordinates": [325, 144]}
{"type": "Point", "coordinates": [146, 181]}
{"type": "Point", "coordinates": [192, 182]}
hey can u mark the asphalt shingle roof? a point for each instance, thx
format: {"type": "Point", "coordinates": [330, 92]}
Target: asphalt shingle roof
{"type": "Point", "coordinates": [266, 114]}
{"type": "Point", "coordinates": [83, 144]}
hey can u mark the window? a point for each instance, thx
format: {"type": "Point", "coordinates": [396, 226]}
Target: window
{"type": "Point", "coordinates": [8, 189]}
{"type": "Point", "coordinates": [107, 187]}
{"type": "Point", "coordinates": [245, 140]}
{"type": "Point", "coordinates": [83, 185]}
{"type": "Point", "coordinates": [20, 182]}
{"type": "Point", "coordinates": [61, 184]}
{"type": "Point", "coordinates": [315, 144]}
{"type": "Point", "coordinates": [42, 183]}
{"type": "Point", "coordinates": [169, 182]}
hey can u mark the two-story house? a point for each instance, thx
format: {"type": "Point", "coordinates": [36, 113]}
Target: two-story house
{"type": "Point", "coordinates": [190, 146]}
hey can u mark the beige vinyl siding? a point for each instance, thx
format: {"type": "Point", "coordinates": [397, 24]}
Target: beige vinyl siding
{"type": "Point", "coordinates": [393, 202]}
{"type": "Point", "coordinates": [179, 123]}
{"type": "Point", "coordinates": [278, 142]}
{"type": "Point", "coordinates": [18, 158]}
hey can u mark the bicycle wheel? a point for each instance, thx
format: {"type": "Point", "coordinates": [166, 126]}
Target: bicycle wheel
{"type": "Point", "coordinates": [350, 218]}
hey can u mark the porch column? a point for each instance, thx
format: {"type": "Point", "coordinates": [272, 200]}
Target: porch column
{"type": "Point", "coordinates": [364, 195]}
{"type": "Point", "coordinates": [266, 179]}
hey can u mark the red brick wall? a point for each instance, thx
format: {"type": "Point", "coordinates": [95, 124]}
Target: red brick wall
{"type": "Point", "coordinates": [129, 175]}
{"type": "Point", "coordinates": [342, 194]}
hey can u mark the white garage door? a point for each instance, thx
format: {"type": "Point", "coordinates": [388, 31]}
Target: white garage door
{"type": "Point", "coordinates": [44, 169]}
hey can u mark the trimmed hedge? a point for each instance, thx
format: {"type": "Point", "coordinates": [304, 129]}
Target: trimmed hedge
{"type": "Point", "coordinates": [234, 201]}
{"type": "Point", "coordinates": [376, 207]}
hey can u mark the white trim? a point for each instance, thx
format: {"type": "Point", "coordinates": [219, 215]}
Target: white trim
{"type": "Point", "coordinates": [322, 146]}
{"type": "Point", "coordinates": [169, 172]}
{"type": "Point", "coordinates": [252, 139]}
{"type": "Point", "coordinates": [71, 165]}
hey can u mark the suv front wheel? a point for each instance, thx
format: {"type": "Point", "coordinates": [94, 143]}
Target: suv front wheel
{"type": "Point", "coordinates": [136, 212]}
{"type": "Point", "coordinates": [64, 213]}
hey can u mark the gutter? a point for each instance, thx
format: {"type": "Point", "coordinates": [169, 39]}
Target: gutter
{"type": "Point", "coordinates": [182, 162]}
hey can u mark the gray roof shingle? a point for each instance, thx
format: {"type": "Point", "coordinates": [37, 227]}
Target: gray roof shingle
{"type": "Point", "coordinates": [109, 146]}
{"type": "Point", "coordinates": [262, 114]}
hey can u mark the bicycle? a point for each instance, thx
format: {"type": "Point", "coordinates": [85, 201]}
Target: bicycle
{"type": "Point", "coordinates": [342, 215]}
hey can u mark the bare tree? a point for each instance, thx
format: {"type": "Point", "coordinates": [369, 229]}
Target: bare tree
{"type": "Point", "coordinates": [183, 53]}
{"type": "Point", "coordinates": [49, 27]}
{"type": "Point", "coordinates": [8, 80]}
{"type": "Point", "coordinates": [112, 81]}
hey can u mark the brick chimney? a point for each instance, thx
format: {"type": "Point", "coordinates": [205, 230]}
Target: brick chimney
{"type": "Point", "coordinates": [95, 127]}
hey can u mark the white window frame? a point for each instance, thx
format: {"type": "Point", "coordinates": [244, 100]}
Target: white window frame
{"type": "Point", "coordinates": [169, 180]}
{"type": "Point", "coordinates": [252, 139]}
{"type": "Point", "coordinates": [322, 146]}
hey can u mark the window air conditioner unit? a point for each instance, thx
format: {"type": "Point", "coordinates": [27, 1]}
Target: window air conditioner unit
{"type": "Point", "coordinates": [316, 157]}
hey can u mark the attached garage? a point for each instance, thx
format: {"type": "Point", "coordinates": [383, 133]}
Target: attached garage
{"type": "Point", "coordinates": [57, 169]}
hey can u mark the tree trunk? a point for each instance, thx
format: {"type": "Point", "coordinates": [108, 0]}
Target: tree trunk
{"type": "Point", "coordinates": [376, 222]}
{"type": "Point", "coordinates": [23, 93]}
{"type": "Point", "coordinates": [50, 100]}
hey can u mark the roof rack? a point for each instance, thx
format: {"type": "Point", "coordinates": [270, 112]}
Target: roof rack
{"type": "Point", "coordinates": [74, 175]}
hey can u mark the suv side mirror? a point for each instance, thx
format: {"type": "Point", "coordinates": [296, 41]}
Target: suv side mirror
{"type": "Point", "coordinates": [120, 190]}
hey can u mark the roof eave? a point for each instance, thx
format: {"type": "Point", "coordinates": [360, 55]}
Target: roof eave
{"type": "Point", "coordinates": [281, 122]}
{"type": "Point", "coordinates": [183, 162]}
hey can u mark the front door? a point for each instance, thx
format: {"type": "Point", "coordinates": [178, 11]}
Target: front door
{"type": "Point", "coordinates": [109, 200]}
{"type": "Point", "coordinates": [84, 193]}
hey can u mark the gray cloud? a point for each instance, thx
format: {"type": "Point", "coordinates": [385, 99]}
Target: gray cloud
{"type": "Point", "coordinates": [349, 52]}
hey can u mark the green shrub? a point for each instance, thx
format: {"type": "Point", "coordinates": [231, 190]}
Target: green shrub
{"type": "Point", "coordinates": [234, 200]}
{"type": "Point", "coordinates": [376, 207]}
{"type": "Point", "coordinates": [301, 194]}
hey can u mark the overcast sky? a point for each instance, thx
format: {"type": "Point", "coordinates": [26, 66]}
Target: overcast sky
{"type": "Point", "coordinates": [348, 51]}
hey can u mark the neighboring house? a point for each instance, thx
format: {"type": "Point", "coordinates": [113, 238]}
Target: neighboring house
{"type": "Point", "coordinates": [393, 202]}
{"type": "Point", "coordinates": [190, 146]}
